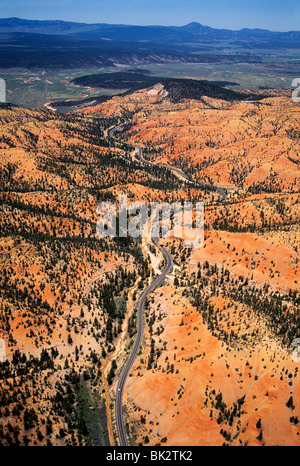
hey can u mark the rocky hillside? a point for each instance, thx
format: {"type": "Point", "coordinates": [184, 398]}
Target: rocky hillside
{"type": "Point", "coordinates": [218, 365]}
{"type": "Point", "coordinates": [64, 290]}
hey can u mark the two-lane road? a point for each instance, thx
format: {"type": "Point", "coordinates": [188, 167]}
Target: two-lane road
{"type": "Point", "coordinates": [118, 128]}
{"type": "Point", "coordinates": [177, 171]}
{"type": "Point", "coordinates": [168, 267]}
{"type": "Point", "coordinates": [129, 363]}
{"type": "Point", "coordinates": [173, 169]}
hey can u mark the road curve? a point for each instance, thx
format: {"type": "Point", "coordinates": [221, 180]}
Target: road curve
{"type": "Point", "coordinates": [129, 363]}
{"type": "Point", "coordinates": [168, 267]}
{"type": "Point", "coordinates": [117, 128]}
{"type": "Point", "coordinates": [181, 173]}
{"type": "Point", "coordinates": [173, 169]}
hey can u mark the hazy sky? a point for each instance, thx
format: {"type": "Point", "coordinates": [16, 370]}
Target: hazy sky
{"type": "Point", "coordinates": [280, 15]}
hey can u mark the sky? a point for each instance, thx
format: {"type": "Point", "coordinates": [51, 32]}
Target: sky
{"type": "Point", "coordinates": [276, 15]}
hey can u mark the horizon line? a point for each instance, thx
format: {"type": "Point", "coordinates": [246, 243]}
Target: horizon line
{"type": "Point", "coordinates": [150, 25]}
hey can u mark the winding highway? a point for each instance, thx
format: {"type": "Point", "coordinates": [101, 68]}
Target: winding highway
{"type": "Point", "coordinates": [177, 171]}
{"type": "Point", "coordinates": [167, 269]}
{"type": "Point", "coordinates": [129, 363]}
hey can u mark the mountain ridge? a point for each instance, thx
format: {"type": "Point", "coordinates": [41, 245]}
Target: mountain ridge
{"type": "Point", "coordinates": [15, 24]}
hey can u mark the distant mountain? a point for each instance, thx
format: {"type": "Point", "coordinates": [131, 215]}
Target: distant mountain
{"type": "Point", "coordinates": [8, 25]}
{"type": "Point", "coordinates": [192, 32]}
{"type": "Point", "coordinates": [52, 45]}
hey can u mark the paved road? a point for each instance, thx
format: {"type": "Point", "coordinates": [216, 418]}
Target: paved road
{"type": "Point", "coordinates": [181, 173]}
{"type": "Point", "coordinates": [121, 384]}
{"type": "Point", "coordinates": [173, 169]}
{"type": "Point", "coordinates": [168, 267]}
{"type": "Point", "coordinates": [117, 128]}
